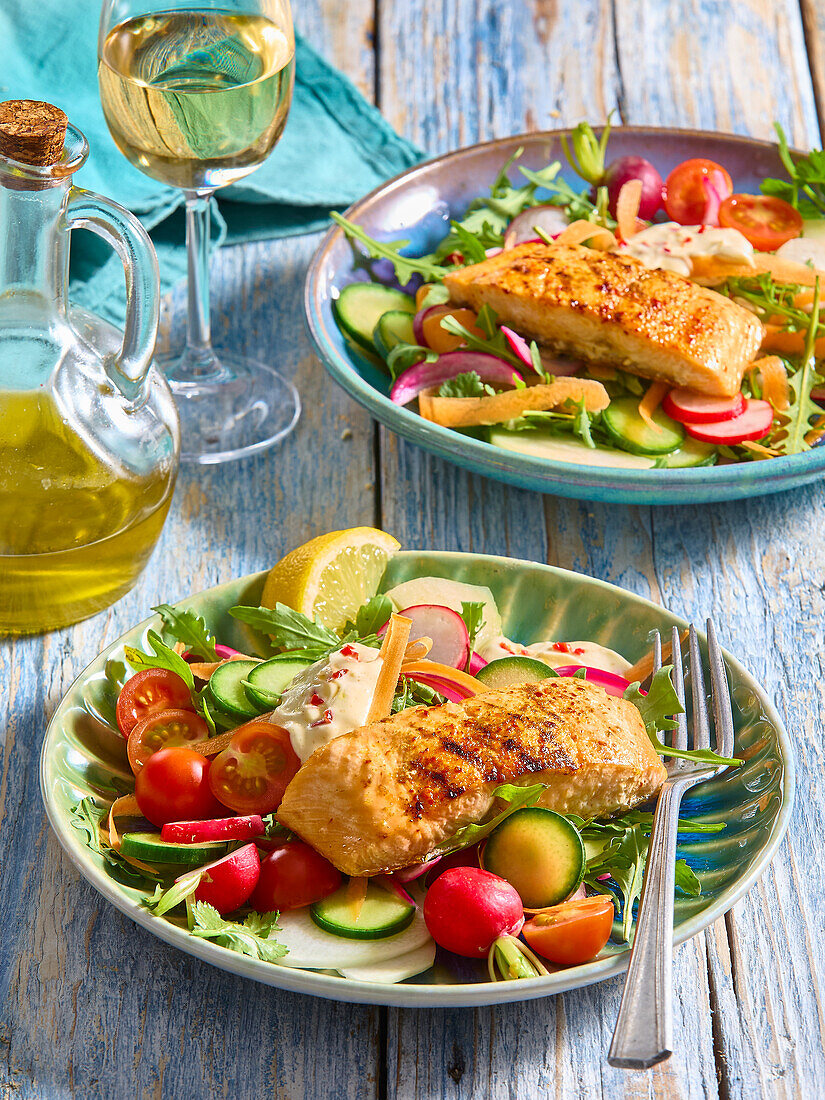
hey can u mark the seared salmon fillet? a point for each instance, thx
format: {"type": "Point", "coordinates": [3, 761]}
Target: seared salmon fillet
{"type": "Point", "coordinates": [383, 796]}
{"type": "Point", "coordinates": [608, 308]}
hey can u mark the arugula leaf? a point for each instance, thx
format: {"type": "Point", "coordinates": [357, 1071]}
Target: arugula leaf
{"type": "Point", "coordinates": [467, 384]}
{"type": "Point", "coordinates": [795, 422]}
{"type": "Point", "coordinates": [623, 858]}
{"type": "Point", "coordinates": [769, 298]}
{"type": "Point", "coordinates": [517, 797]}
{"type": "Point", "coordinates": [471, 613]}
{"type": "Point", "coordinates": [471, 247]}
{"type": "Point", "coordinates": [189, 628]}
{"type": "Point", "coordinates": [403, 356]}
{"type": "Point", "coordinates": [805, 188]}
{"type": "Point", "coordinates": [577, 204]}
{"type": "Point", "coordinates": [686, 879]}
{"type": "Point", "coordinates": [289, 629]}
{"type": "Point", "coordinates": [655, 707]}
{"type": "Point", "coordinates": [162, 657]}
{"type": "Point", "coordinates": [493, 345]}
{"type": "Point", "coordinates": [86, 817]}
{"type": "Point", "coordinates": [409, 693]}
{"type": "Point", "coordinates": [250, 937]}
{"type": "Point", "coordinates": [404, 266]}
{"type": "Point", "coordinates": [371, 616]}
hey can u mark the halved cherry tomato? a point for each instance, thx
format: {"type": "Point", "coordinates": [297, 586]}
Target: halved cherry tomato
{"type": "Point", "coordinates": [163, 730]}
{"type": "Point", "coordinates": [438, 338]}
{"type": "Point", "coordinates": [147, 692]}
{"type": "Point", "coordinates": [573, 932]}
{"type": "Point", "coordinates": [173, 785]}
{"type": "Point", "coordinates": [686, 199]}
{"type": "Point", "coordinates": [292, 875]}
{"type": "Point", "coordinates": [251, 775]}
{"type": "Point", "coordinates": [765, 220]}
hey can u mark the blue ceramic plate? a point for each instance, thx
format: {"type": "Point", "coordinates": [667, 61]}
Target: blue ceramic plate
{"type": "Point", "coordinates": [84, 756]}
{"type": "Point", "coordinates": [418, 206]}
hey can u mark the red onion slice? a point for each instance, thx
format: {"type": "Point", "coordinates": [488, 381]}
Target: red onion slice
{"type": "Point", "coordinates": [421, 376]}
{"type": "Point", "coordinates": [612, 684]}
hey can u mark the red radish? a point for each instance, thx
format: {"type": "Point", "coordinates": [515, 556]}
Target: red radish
{"type": "Point", "coordinates": [451, 642]}
{"type": "Point", "coordinates": [464, 857]}
{"type": "Point", "coordinates": [754, 423]}
{"type": "Point", "coordinates": [519, 346]}
{"type": "Point", "coordinates": [548, 218]}
{"type": "Point", "coordinates": [477, 663]}
{"type": "Point", "coordinates": [218, 828]}
{"type": "Point", "coordinates": [689, 407]}
{"type": "Point", "coordinates": [467, 909]}
{"type": "Point", "coordinates": [612, 684]}
{"type": "Point", "coordinates": [227, 884]}
{"type": "Point", "coordinates": [421, 376]}
{"type": "Point", "coordinates": [490, 252]}
{"type": "Point", "coordinates": [623, 170]}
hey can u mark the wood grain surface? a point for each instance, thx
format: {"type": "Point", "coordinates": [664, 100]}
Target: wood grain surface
{"type": "Point", "coordinates": [91, 1005]}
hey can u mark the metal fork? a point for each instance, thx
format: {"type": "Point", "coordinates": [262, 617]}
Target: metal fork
{"type": "Point", "coordinates": [644, 1027]}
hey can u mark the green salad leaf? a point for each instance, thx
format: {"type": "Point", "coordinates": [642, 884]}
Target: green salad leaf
{"type": "Point", "coordinates": [468, 384]}
{"type": "Point", "coordinates": [473, 615]}
{"type": "Point", "coordinates": [409, 693]}
{"type": "Point", "coordinates": [86, 817]}
{"type": "Point", "coordinates": [404, 266]}
{"type": "Point", "coordinates": [253, 936]}
{"type": "Point", "coordinates": [189, 628]}
{"type": "Point", "coordinates": [162, 901]}
{"type": "Point", "coordinates": [289, 629]}
{"type": "Point", "coordinates": [371, 616]}
{"type": "Point", "coordinates": [161, 657]}
{"type": "Point", "coordinates": [623, 858]}
{"type": "Point", "coordinates": [805, 187]}
{"type": "Point", "coordinates": [516, 797]}
{"type": "Point", "coordinates": [494, 343]}
{"type": "Point", "coordinates": [403, 356]}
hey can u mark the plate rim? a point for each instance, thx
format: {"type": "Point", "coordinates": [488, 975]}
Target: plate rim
{"type": "Point", "coordinates": [742, 479]}
{"type": "Point", "coordinates": [412, 995]}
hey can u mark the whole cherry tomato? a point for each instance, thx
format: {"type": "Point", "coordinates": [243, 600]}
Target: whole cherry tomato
{"type": "Point", "coordinates": [173, 785]}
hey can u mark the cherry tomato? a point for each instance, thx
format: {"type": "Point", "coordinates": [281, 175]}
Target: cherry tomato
{"type": "Point", "coordinates": [467, 909]}
{"type": "Point", "coordinates": [766, 221]}
{"type": "Point", "coordinates": [686, 199]}
{"type": "Point", "coordinates": [147, 692]}
{"type": "Point", "coordinates": [292, 875]}
{"type": "Point", "coordinates": [252, 773]}
{"type": "Point", "coordinates": [163, 730]}
{"type": "Point", "coordinates": [571, 933]}
{"type": "Point", "coordinates": [227, 883]}
{"type": "Point", "coordinates": [173, 785]}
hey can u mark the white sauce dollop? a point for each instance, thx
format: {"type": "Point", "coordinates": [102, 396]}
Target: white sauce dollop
{"type": "Point", "coordinates": [558, 654]}
{"type": "Point", "coordinates": [329, 698]}
{"type": "Point", "coordinates": [671, 247]}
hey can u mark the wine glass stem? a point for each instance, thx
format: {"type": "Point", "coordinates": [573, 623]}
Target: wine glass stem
{"type": "Point", "coordinates": [199, 361]}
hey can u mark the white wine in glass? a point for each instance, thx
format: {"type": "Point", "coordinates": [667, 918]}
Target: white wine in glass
{"type": "Point", "coordinates": [197, 98]}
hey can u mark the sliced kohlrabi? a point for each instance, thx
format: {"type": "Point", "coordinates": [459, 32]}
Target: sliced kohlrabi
{"type": "Point", "coordinates": [310, 948]}
{"type": "Point", "coordinates": [393, 970]}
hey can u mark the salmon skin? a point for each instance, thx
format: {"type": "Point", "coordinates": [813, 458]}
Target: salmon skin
{"type": "Point", "coordinates": [382, 797]}
{"type": "Point", "coordinates": [608, 308]}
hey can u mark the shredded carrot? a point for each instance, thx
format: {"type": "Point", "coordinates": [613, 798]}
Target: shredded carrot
{"type": "Point", "coordinates": [204, 669]}
{"type": "Point", "coordinates": [443, 672]}
{"type": "Point", "coordinates": [391, 653]}
{"type": "Point", "coordinates": [627, 208]}
{"type": "Point", "coordinates": [125, 805]}
{"type": "Point", "coordinates": [788, 343]}
{"type": "Point", "coordinates": [422, 293]}
{"type": "Point", "coordinates": [644, 667]}
{"type": "Point", "coordinates": [356, 893]}
{"type": "Point", "coordinates": [651, 402]}
{"type": "Point", "coordinates": [579, 231]}
{"type": "Point", "coordinates": [774, 381]}
{"type": "Point", "coordinates": [418, 649]}
{"type": "Point", "coordinates": [459, 412]}
{"type": "Point", "coordinates": [759, 449]}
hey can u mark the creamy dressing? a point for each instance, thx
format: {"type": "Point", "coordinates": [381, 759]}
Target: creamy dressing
{"type": "Point", "coordinates": [329, 698]}
{"type": "Point", "coordinates": [672, 247]}
{"type": "Point", "coordinates": [557, 654]}
{"type": "Point", "coordinates": [491, 649]}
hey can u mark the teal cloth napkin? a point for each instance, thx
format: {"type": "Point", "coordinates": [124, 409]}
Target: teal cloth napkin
{"type": "Point", "coordinates": [335, 148]}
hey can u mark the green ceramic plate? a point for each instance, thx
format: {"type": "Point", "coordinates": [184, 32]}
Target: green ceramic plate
{"type": "Point", "coordinates": [83, 755]}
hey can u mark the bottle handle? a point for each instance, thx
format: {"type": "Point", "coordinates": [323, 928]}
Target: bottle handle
{"type": "Point", "coordinates": [122, 230]}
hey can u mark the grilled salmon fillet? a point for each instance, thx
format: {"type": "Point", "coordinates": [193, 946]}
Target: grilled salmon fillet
{"type": "Point", "coordinates": [608, 308]}
{"type": "Point", "coordinates": [382, 797]}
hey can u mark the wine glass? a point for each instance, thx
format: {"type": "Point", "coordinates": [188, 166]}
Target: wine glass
{"type": "Point", "coordinates": [196, 95]}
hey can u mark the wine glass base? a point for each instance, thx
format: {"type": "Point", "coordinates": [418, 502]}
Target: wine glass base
{"type": "Point", "coordinates": [241, 407]}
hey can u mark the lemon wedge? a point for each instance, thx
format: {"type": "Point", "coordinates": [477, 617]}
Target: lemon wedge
{"type": "Point", "coordinates": [331, 576]}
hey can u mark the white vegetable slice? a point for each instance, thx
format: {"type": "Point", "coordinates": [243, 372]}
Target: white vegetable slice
{"type": "Point", "coordinates": [804, 250]}
{"type": "Point", "coordinates": [394, 970]}
{"type": "Point", "coordinates": [311, 948]}
{"type": "Point", "coordinates": [447, 593]}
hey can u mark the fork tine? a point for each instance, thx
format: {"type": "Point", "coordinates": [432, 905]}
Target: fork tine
{"type": "Point", "coordinates": [680, 733]}
{"type": "Point", "coordinates": [701, 726]}
{"type": "Point", "coordinates": [657, 651]}
{"type": "Point", "coordinates": [721, 696]}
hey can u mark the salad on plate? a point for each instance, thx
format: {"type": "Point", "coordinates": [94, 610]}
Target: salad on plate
{"type": "Point", "coordinates": [632, 321]}
{"type": "Point", "coordinates": [389, 776]}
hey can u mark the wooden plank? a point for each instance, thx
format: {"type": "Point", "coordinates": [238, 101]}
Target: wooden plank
{"type": "Point", "coordinates": [90, 1005]}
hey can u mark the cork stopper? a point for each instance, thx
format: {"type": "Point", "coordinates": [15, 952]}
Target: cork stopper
{"type": "Point", "coordinates": [32, 132]}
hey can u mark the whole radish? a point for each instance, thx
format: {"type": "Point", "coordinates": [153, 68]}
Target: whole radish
{"type": "Point", "coordinates": [635, 168]}
{"type": "Point", "coordinates": [466, 911]}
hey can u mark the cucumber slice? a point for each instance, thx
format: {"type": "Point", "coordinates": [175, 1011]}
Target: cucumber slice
{"type": "Point", "coordinates": [150, 847]}
{"type": "Point", "coordinates": [506, 672]}
{"type": "Point", "coordinates": [395, 327]}
{"type": "Point", "coordinates": [693, 452]}
{"type": "Point", "coordinates": [382, 914]}
{"type": "Point", "coordinates": [227, 689]}
{"type": "Point", "coordinates": [621, 419]}
{"type": "Point", "coordinates": [538, 852]}
{"type": "Point", "coordinates": [539, 444]}
{"type": "Point", "coordinates": [360, 306]}
{"type": "Point", "coordinates": [268, 680]}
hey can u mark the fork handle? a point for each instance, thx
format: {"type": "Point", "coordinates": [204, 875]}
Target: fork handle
{"type": "Point", "coordinates": [644, 1027]}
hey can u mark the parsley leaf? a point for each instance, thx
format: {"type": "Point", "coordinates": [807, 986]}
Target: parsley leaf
{"type": "Point", "coordinates": [517, 797]}
{"type": "Point", "coordinates": [467, 384]}
{"type": "Point", "coordinates": [189, 628]}
{"type": "Point", "coordinates": [251, 937]}
{"type": "Point", "coordinates": [163, 657]}
{"type": "Point", "coordinates": [404, 266]}
{"type": "Point", "coordinates": [289, 629]}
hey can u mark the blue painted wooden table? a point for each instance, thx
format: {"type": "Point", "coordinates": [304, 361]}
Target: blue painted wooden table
{"type": "Point", "coordinates": [92, 1006]}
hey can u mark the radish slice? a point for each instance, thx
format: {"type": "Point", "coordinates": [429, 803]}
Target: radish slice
{"type": "Point", "coordinates": [490, 252]}
{"type": "Point", "coordinates": [612, 684]}
{"type": "Point", "coordinates": [818, 394]}
{"type": "Point", "coordinates": [477, 663]}
{"type": "Point", "coordinates": [519, 346]}
{"type": "Point", "coordinates": [311, 948]}
{"type": "Point", "coordinates": [754, 423]}
{"type": "Point", "coordinates": [221, 828]}
{"type": "Point", "coordinates": [697, 408]}
{"type": "Point", "coordinates": [548, 218]}
{"type": "Point", "coordinates": [451, 642]}
{"type": "Point", "coordinates": [420, 377]}
{"type": "Point", "coordinates": [394, 970]}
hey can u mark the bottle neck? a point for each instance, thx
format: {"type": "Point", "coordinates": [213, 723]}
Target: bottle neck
{"type": "Point", "coordinates": [33, 246]}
